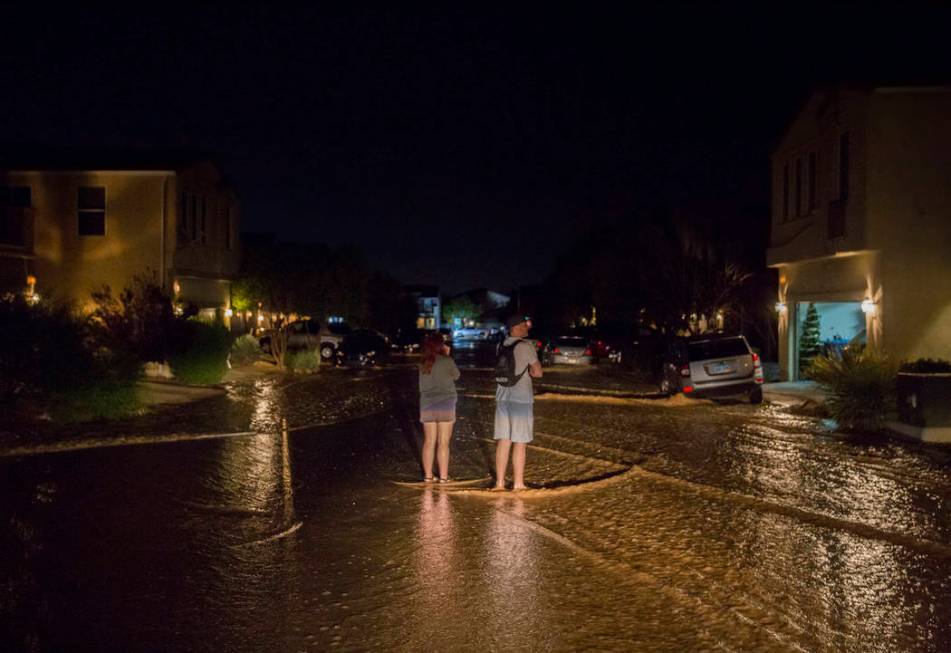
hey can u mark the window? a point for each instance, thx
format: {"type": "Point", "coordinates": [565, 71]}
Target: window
{"type": "Point", "coordinates": [202, 224]}
{"type": "Point", "coordinates": [229, 227]}
{"type": "Point", "coordinates": [785, 191]}
{"type": "Point", "coordinates": [844, 156]}
{"type": "Point", "coordinates": [20, 197]}
{"type": "Point", "coordinates": [811, 174]}
{"type": "Point", "coordinates": [92, 210]}
{"type": "Point", "coordinates": [183, 227]}
{"type": "Point", "coordinates": [798, 187]}
{"type": "Point", "coordinates": [194, 218]}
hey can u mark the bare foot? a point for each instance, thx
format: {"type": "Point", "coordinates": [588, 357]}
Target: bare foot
{"type": "Point", "coordinates": [517, 488]}
{"type": "Point", "coordinates": [498, 488]}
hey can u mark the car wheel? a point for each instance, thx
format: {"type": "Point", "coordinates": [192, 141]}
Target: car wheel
{"type": "Point", "coordinates": [666, 387]}
{"type": "Point", "coordinates": [756, 396]}
{"type": "Point", "coordinates": [326, 352]}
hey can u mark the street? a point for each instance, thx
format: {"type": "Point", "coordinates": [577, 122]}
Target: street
{"type": "Point", "coordinates": [286, 516]}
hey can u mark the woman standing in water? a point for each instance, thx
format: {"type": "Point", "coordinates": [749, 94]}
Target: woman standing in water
{"type": "Point", "coordinates": [437, 404]}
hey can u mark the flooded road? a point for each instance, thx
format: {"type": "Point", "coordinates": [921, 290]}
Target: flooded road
{"type": "Point", "coordinates": [284, 517]}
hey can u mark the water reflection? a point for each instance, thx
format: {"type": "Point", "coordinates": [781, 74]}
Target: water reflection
{"type": "Point", "coordinates": [436, 553]}
{"type": "Point", "coordinates": [517, 614]}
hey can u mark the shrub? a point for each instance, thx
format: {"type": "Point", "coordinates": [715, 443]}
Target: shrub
{"type": "Point", "coordinates": [42, 349]}
{"type": "Point", "coordinates": [926, 366]}
{"type": "Point", "coordinates": [861, 387]}
{"type": "Point", "coordinates": [199, 352]}
{"type": "Point", "coordinates": [49, 354]}
{"type": "Point", "coordinates": [302, 361]}
{"type": "Point", "coordinates": [245, 350]}
{"type": "Point", "coordinates": [138, 321]}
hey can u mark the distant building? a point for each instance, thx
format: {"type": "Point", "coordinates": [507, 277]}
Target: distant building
{"type": "Point", "coordinates": [428, 306]}
{"type": "Point", "coordinates": [70, 223]}
{"type": "Point", "coordinates": [861, 222]}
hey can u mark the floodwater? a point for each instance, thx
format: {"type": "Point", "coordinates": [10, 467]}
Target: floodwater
{"type": "Point", "coordinates": [285, 517]}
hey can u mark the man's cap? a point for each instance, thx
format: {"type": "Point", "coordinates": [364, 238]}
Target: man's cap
{"type": "Point", "coordinates": [515, 320]}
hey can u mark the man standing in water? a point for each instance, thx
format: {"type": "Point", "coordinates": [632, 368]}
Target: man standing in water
{"type": "Point", "coordinates": [514, 419]}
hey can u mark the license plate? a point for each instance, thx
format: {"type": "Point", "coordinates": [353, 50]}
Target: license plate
{"type": "Point", "coordinates": [572, 361]}
{"type": "Point", "coordinates": [720, 368]}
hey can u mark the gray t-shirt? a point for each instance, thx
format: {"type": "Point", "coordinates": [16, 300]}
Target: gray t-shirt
{"type": "Point", "coordinates": [439, 384]}
{"type": "Point", "coordinates": [521, 392]}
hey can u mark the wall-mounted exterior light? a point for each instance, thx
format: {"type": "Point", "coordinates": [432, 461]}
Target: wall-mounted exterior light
{"type": "Point", "coordinates": [780, 307]}
{"type": "Point", "coordinates": [176, 287]}
{"type": "Point", "coordinates": [869, 307]}
{"type": "Point", "coordinates": [229, 312]}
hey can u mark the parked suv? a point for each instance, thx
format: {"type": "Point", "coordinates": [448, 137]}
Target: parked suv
{"type": "Point", "coordinates": [720, 365]}
{"type": "Point", "coordinates": [311, 334]}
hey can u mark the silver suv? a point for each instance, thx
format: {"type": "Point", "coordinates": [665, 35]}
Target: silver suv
{"type": "Point", "coordinates": [720, 366]}
{"type": "Point", "coordinates": [311, 334]}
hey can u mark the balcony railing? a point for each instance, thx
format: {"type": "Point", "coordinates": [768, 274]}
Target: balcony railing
{"type": "Point", "coordinates": [836, 223]}
{"type": "Point", "coordinates": [16, 228]}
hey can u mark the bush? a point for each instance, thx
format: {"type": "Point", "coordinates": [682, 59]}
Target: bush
{"type": "Point", "coordinates": [245, 350]}
{"type": "Point", "coordinates": [302, 361]}
{"type": "Point", "coordinates": [199, 352]}
{"type": "Point", "coordinates": [861, 385]}
{"type": "Point", "coordinates": [42, 349]}
{"type": "Point", "coordinates": [138, 321]}
{"type": "Point", "coordinates": [926, 366]}
{"type": "Point", "coordinates": [48, 353]}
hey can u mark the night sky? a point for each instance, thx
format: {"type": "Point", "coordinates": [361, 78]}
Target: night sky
{"type": "Point", "coordinates": [463, 149]}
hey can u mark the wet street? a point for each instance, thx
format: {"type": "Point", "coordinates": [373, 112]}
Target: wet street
{"type": "Point", "coordinates": [286, 516]}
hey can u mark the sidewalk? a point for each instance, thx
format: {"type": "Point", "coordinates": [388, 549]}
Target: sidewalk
{"type": "Point", "coordinates": [791, 393]}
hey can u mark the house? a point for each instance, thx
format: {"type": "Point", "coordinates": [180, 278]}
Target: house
{"type": "Point", "coordinates": [428, 305]}
{"type": "Point", "coordinates": [861, 222]}
{"type": "Point", "coordinates": [71, 222]}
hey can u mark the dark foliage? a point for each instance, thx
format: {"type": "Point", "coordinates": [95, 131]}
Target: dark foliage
{"type": "Point", "coordinates": [199, 352]}
{"type": "Point", "coordinates": [926, 366]}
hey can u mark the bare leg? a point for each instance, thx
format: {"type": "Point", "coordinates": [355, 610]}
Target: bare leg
{"type": "Point", "coordinates": [501, 462]}
{"type": "Point", "coordinates": [429, 448]}
{"type": "Point", "coordinates": [444, 431]}
{"type": "Point", "coordinates": [518, 465]}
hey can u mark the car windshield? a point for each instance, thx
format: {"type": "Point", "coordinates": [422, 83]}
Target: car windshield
{"type": "Point", "coordinates": [720, 348]}
{"type": "Point", "coordinates": [570, 342]}
{"type": "Point", "coordinates": [338, 328]}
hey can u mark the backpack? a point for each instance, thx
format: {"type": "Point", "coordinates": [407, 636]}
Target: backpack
{"type": "Point", "coordinates": [505, 374]}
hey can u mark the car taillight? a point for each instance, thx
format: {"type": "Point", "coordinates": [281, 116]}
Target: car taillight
{"type": "Point", "coordinates": [587, 352]}
{"type": "Point", "coordinates": [756, 361]}
{"type": "Point", "coordinates": [685, 371]}
{"type": "Point", "coordinates": [688, 389]}
{"type": "Point", "coordinates": [556, 350]}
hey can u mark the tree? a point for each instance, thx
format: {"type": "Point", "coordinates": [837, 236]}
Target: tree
{"type": "Point", "coordinates": [462, 308]}
{"type": "Point", "coordinates": [809, 343]}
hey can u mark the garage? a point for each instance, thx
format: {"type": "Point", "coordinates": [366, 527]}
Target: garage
{"type": "Point", "coordinates": [824, 327]}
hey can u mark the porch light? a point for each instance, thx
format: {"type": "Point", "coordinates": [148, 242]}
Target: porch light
{"type": "Point", "coordinates": [780, 307]}
{"type": "Point", "coordinates": [176, 287]}
{"type": "Point", "coordinates": [869, 307]}
{"type": "Point", "coordinates": [30, 280]}
{"type": "Point", "coordinates": [229, 312]}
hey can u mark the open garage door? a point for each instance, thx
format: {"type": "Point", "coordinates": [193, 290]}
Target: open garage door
{"type": "Point", "coordinates": [826, 327]}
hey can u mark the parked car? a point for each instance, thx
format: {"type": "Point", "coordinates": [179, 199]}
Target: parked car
{"type": "Point", "coordinates": [721, 365]}
{"type": "Point", "coordinates": [363, 347]}
{"type": "Point", "coordinates": [408, 341]}
{"type": "Point", "coordinates": [310, 334]}
{"type": "Point", "coordinates": [470, 333]}
{"type": "Point", "coordinates": [567, 350]}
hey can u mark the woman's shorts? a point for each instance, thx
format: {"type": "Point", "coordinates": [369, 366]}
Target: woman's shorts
{"type": "Point", "coordinates": [443, 410]}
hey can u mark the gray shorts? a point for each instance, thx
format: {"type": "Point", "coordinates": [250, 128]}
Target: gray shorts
{"type": "Point", "coordinates": [514, 421]}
